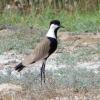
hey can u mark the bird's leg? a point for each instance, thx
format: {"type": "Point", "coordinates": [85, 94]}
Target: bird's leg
{"type": "Point", "coordinates": [41, 74]}
{"type": "Point", "coordinates": [43, 71]}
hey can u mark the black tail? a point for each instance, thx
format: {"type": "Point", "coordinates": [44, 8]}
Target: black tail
{"type": "Point", "coordinates": [19, 67]}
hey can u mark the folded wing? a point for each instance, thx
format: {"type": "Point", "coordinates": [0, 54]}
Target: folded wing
{"type": "Point", "coordinates": [41, 51]}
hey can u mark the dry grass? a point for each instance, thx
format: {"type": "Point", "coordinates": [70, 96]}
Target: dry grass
{"type": "Point", "coordinates": [57, 94]}
{"type": "Point", "coordinates": [39, 5]}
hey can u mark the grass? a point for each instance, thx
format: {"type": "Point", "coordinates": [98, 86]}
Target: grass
{"type": "Point", "coordinates": [77, 22]}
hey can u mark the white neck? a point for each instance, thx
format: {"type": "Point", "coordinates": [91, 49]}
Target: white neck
{"type": "Point", "coordinates": [51, 32]}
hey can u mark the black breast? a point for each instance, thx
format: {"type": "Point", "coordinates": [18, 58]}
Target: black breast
{"type": "Point", "coordinates": [53, 45]}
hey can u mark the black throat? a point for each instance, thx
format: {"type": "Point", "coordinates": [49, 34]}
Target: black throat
{"type": "Point", "coordinates": [53, 45]}
{"type": "Point", "coordinates": [55, 31]}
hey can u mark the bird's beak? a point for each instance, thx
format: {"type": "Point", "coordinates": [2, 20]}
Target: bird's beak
{"type": "Point", "coordinates": [62, 26]}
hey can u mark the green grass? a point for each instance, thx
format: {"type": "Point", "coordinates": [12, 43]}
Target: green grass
{"type": "Point", "coordinates": [77, 22]}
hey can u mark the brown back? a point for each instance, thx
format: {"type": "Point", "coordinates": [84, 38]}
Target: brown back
{"type": "Point", "coordinates": [40, 52]}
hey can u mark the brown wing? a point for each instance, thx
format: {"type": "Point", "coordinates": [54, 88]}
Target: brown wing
{"type": "Point", "coordinates": [41, 51]}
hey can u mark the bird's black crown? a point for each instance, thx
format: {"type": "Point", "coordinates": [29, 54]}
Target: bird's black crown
{"type": "Point", "coordinates": [56, 22]}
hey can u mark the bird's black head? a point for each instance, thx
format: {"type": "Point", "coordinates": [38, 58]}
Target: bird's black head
{"type": "Point", "coordinates": [56, 23]}
{"type": "Point", "coordinates": [54, 26]}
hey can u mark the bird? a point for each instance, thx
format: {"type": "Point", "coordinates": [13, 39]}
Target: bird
{"type": "Point", "coordinates": [43, 50]}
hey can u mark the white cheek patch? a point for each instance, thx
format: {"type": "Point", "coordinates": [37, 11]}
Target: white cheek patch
{"type": "Point", "coordinates": [53, 26]}
{"type": "Point", "coordinates": [51, 30]}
